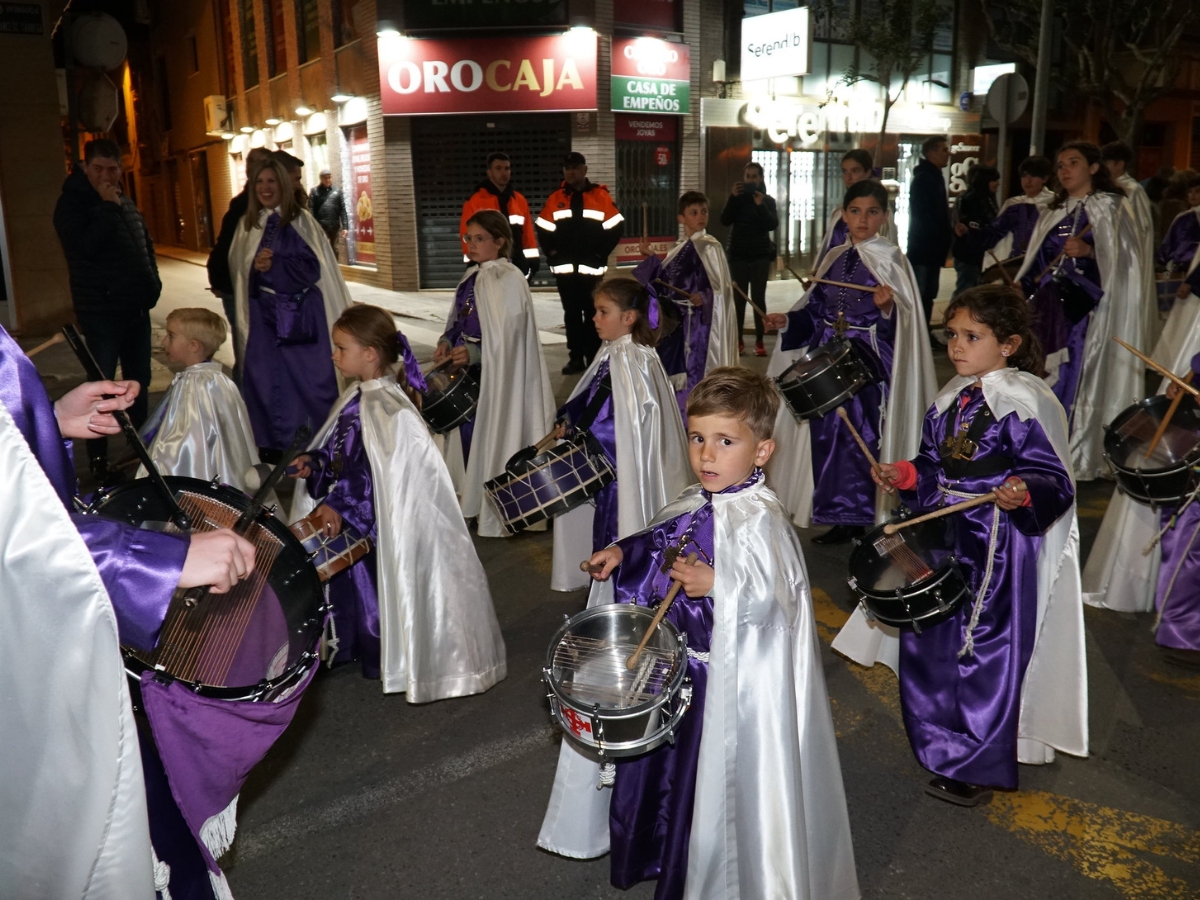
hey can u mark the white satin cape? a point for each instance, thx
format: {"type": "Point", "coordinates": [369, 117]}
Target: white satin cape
{"type": "Point", "coordinates": [71, 788]}
{"type": "Point", "coordinates": [770, 814]}
{"type": "Point", "coordinates": [1054, 706]}
{"type": "Point", "coordinates": [1143, 220]}
{"type": "Point", "coordinates": [203, 429]}
{"type": "Point", "coordinates": [911, 388]}
{"type": "Point", "coordinates": [652, 457]}
{"type": "Point", "coordinates": [885, 232]}
{"type": "Point", "coordinates": [438, 628]}
{"type": "Point", "coordinates": [1004, 247]}
{"type": "Point", "coordinates": [334, 293]}
{"type": "Point", "coordinates": [722, 331]}
{"type": "Point", "coordinates": [516, 404]}
{"type": "Point", "coordinates": [1111, 377]}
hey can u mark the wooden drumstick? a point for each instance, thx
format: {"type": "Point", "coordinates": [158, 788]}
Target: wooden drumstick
{"type": "Point", "coordinates": [989, 497]}
{"type": "Point", "coordinates": [645, 220]}
{"type": "Point", "coordinates": [1165, 373]}
{"type": "Point", "coordinates": [1008, 279]}
{"type": "Point", "coordinates": [1162, 426]}
{"type": "Point", "coordinates": [590, 567]}
{"type": "Point", "coordinates": [546, 441]}
{"type": "Point", "coordinates": [1060, 256]}
{"type": "Point", "coordinates": [631, 663]}
{"type": "Point", "coordinates": [870, 289]}
{"type": "Point", "coordinates": [754, 306]}
{"type": "Point", "coordinates": [677, 290]}
{"type": "Point", "coordinates": [445, 362]}
{"type": "Point", "coordinates": [862, 445]}
{"type": "Point", "coordinates": [45, 345]}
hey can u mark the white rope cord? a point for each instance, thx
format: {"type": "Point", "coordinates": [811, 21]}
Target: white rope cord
{"type": "Point", "coordinates": [608, 775]}
{"type": "Point", "coordinates": [698, 655]}
{"type": "Point", "coordinates": [968, 647]}
{"type": "Point", "coordinates": [1171, 522]}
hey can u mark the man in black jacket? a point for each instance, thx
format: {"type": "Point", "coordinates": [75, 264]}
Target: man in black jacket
{"type": "Point", "coordinates": [752, 219]}
{"type": "Point", "coordinates": [113, 274]}
{"type": "Point", "coordinates": [929, 229]}
{"type": "Point", "coordinates": [328, 206]}
{"type": "Point", "coordinates": [219, 277]}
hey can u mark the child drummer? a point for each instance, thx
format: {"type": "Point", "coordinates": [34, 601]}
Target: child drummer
{"type": "Point", "coordinates": [876, 305]}
{"type": "Point", "coordinates": [750, 792]}
{"type": "Point", "coordinates": [625, 402]}
{"type": "Point", "coordinates": [705, 337]}
{"type": "Point", "coordinates": [375, 468]}
{"type": "Point", "coordinates": [1004, 679]}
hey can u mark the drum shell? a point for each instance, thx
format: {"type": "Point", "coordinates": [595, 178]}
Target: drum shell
{"type": "Point", "coordinates": [292, 577]}
{"type": "Point", "coordinates": [343, 551]}
{"type": "Point", "coordinates": [612, 731]}
{"type": "Point", "coordinates": [445, 410]}
{"type": "Point", "coordinates": [920, 604]}
{"type": "Point", "coordinates": [532, 490]}
{"type": "Point", "coordinates": [1164, 486]}
{"type": "Point", "coordinates": [838, 371]}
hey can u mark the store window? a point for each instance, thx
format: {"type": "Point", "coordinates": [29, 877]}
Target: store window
{"type": "Point", "coordinates": [249, 43]}
{"type": "Point", "coordinates": [647, 173]}
{"type": "Point", "coordinates": [276, 45]}
{"type": "Point", "coordinates": [360, 242]}
{"type": "Point", "coordinates": [308, 30]}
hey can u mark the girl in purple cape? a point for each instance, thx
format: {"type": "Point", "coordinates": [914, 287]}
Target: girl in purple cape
{"type": "Point", "coordinates": [1002, 681]}
{"type": "Point", "coordinates": [374, 468]}
{"type": "Point", "coordinates": [289, 291]}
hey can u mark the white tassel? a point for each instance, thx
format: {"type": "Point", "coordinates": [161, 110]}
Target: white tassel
{"type": "Point", "coordinates": [608, 775]}
{"type": "Point", "coordinates": [217, 833]}
{"type": "Point", "coordinates": [220, 886]}
{"type": "Point", "coordinates": [162, 876]}
{"type": "Point", "coordinates": [329, 639]}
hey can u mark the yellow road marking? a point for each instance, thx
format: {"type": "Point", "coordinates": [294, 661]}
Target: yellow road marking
{"type": "Point", "coordinates": [879, 680]}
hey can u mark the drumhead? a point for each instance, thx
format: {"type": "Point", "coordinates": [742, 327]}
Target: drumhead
{"type": "Point", "coordinates": [1130, 434]}
{"type": "Point", "coordinates": [814, 362]}
{"type": "Point", "coordinates": [251, 642]}
{"type": "Point", "coordinates": [882, 564]}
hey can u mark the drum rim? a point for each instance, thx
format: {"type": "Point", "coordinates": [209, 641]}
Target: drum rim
{"type": "Point", "coordinates": [467, 375]}
{"type": "Point", "coordinates": [622, 749]}
{"type": "Point", "coordinates": [1185, 468]}
{"type": "Point", "coordinates": [263, 689]}
{"type": "Point", "coordinates": [862, 378]}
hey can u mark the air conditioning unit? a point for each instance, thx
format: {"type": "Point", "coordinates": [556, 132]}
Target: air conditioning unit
{"type": "Point", "coordinates": [215, 114]}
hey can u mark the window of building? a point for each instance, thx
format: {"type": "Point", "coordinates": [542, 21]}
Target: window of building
{"type": "Point", "coordinates": [308, 30]}
{"type": "Point", "coordinates": [164, 94]}
{"type": "Point", "coordinates": [345, 14]}
{"type": "Point", "coordinates": [249, 43]}
{"type": "Point", "coordinates": [276, 45]}
{"type": "Point", "coordinates": [318, 155]}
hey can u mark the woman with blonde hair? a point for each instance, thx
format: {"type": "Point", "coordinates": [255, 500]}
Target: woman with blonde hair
{"type": "Point", "coordinates": [289, 292]}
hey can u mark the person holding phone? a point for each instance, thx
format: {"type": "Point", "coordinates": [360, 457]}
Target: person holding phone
{"type": "Point", "coordinates": [751, 217]}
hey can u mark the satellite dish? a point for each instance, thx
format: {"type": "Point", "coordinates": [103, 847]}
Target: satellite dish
{"type": "Point", "coordinates": [1007, 98]}
{"type": "Point", "coordinates": [98, 41]}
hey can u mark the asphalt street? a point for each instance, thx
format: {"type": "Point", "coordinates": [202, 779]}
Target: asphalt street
{"type": "Point", "coordinates": [367, 796]}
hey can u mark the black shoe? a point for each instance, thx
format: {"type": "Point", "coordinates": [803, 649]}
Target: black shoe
{"type": "Point", "coordinates": [839, 534]}
{"type": "Point", "coordinates": [574, 367]}
{"type": "Point", "coordinates": [960, 793]}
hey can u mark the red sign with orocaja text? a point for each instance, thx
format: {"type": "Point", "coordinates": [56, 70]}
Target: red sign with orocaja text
{"type": "Point", "coordinates": [530, 74]}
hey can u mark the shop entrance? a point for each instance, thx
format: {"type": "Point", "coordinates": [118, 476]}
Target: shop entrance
{"type": "Point", "coordinates": [449, 160]}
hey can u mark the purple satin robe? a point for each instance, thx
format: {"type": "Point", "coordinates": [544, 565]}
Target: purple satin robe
{"type": "Point", "coordinates": [465, 329]}
{"type": "Point", "coordinates": [844, 493]}
{"type": "Point", "coordinates": [1019, 220]}
{"type": "Point", "coordinates": [838, 233]}
{"type": "Point", "coordinates": [684, 350]}
{"type": "Point", "coordinates": [293, 384]}
{"type": "Point", "coordinates": [342, 480]}
{"type": "Point", "coordinates": [1051, 325]}
{"type": "Point", "coordinates": [1179, 247]}
{"type": "Point", "coordinates": [962, 713]}
{"type": "Point", "coordinates": [650, 817]}
{"type": "Point", "coordinates": [604, 430]}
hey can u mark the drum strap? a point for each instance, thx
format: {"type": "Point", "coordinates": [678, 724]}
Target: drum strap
{"type": "Point", "coordinates": [958, 449]}
{"type": "Point", "coordinates": [603, 392]}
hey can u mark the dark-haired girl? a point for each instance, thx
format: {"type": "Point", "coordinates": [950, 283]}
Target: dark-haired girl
{"type": "Point", "coordinates": [375, 468]}
{"type": "Point", "coordinates": [886, 328]}
{"type": "Point", "coordinates": [1003, 680]}
{"type": "Point", "coordinates": [626, 402]}
{"type": "Point", "coordinates": [1085, 288]}
{"type": "Point", "coordinates": [857, 165]}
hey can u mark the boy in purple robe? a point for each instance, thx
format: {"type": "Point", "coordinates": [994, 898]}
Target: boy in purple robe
{"type": "Point", "coordinates": [670, 818]}
{"type": "Point", "coordinates": [1008, 234]}
{"type": "Point", "coordinates": [970, 714]}
{"type": "Point", "coordinates": [1182, 243]}
{"type": "Point", "coordinates": [700, 310]}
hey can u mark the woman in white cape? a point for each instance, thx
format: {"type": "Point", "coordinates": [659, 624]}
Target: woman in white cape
{"type": "Point", "coordinates": [491, 324]}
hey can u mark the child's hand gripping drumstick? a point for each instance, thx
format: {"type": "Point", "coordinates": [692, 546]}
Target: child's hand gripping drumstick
{"type": "Point", "coordinates": [881, 477]}
{"type": "Point", "coordinates": [1009, 495]}
{"type": "Point", "coordinates": [676, 586]}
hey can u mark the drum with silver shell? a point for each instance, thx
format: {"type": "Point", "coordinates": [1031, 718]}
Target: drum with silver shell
{"type": "Point", "coordinates": [1171, 473]}
{"type": "Point", "coordinates": [824, 378]}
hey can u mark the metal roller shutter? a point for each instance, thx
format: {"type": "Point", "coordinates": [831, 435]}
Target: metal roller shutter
{"type": "Point", "coordinates": [449, 159]}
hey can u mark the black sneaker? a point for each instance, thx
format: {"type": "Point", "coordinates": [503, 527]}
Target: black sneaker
{"type": "Point", "coordinates": [960, 793]}
{"type": "Point", "coordinates": [574, 367]}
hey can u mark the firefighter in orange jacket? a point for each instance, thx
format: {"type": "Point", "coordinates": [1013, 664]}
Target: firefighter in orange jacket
{"type": "Point", "coordinates": [578, 228]}
{"type": "Point", "coordinates": [496, 192]}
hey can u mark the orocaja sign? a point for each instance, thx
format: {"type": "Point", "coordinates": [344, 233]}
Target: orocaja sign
{"type": "Point", "coordinates": [651, 75]}
{"type": "Point", "coordinates": [520, 74]}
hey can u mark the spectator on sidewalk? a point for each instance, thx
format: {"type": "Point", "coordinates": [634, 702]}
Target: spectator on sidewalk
{"type": "Point", "coordinates": [929, 228]}
{"type": "Point", "coordinates": [496, 192]}
{"type": "Point", "coordinates": [578, 228]}
{"type": "Point", "coordinates": [219, 278]}
{"type": "Point", "coordinates": [752, 219]}
{"type": "Point", "coordinates": [976, 210]}
{"type": "Point", "coordinates": [328, 206]}
{"type": "Point", "coordinates": [113, 274]}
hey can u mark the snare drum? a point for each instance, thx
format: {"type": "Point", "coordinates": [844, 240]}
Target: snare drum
{"type": "Point", "coordinates": [600, 703]}
{"type": "Point", "coordinates": [1171, 473]}
{"type": "Point", "coordinates": [551, 484]}
{"type": "Point", "coordinates": [824, 379]}
{"type": "Point", "coordinates": [909, 579]}
{"type": "Point", "coordinates": [997, 271]}
{"type": "Point", "coordinates": [450, 399]}
{"type": "Point", "coordinates": [330, 555]}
